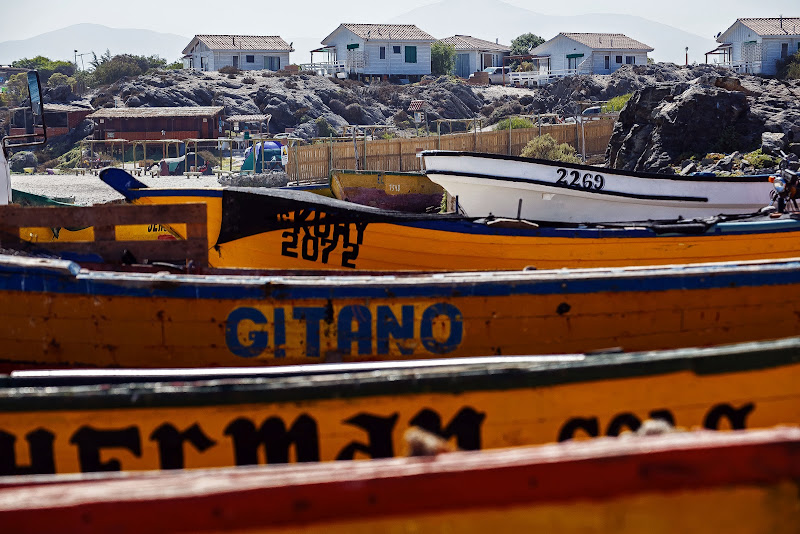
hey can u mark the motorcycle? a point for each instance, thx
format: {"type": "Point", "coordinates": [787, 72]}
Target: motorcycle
{"type": "Point", "coordinates": [787, 187]}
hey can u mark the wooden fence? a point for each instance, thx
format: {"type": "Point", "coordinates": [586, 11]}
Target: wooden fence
{"type": "Point", "coordinates": [314, 162]}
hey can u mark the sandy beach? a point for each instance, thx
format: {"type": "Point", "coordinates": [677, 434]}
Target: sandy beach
{"type": "Point", "coordinates": [88, 189]}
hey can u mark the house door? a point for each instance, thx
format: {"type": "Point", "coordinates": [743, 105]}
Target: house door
{"type": "Point", "coordinates": [462, 65]}
{"type": "Point", "coordinates": [236, 61]}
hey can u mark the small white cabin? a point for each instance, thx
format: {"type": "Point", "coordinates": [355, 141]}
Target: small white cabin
{"type": "Point", "coordinates": [473, 54]}
{"type": "Point", "coordinates": [368, 50]}
{"type": "Point", "coordinates": [245, 52]}
{"type": "Point", "coordinates": [568, 54]}
{"type": "Point", "coordinates": [756, 45]}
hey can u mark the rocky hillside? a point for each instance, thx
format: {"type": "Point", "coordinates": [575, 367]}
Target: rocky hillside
{"type": "Point", "coordinates": [676, 111]}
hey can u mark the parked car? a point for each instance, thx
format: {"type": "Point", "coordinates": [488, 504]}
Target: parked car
{"type": "Point", "coordinates": [496, 74]}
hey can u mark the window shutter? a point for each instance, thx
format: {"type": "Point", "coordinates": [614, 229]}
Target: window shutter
{"type": "Point", "coordinates": [411, 54]}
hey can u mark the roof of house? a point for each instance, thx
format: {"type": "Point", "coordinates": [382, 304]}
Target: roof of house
{"type": "Point", "coordinates": [68, 108]}
{"type": "Point", "coordinates": [467, 42]}
{"type": "Point", "coordinates": [773, 26]}
{"type": "Point", "coordinates": [607, 41]}
{"type": "Point", "coordinates": [381, 32]}
{"type": "Point", "coordinates": [147, 112]}
{"type": "Point", "coordinates": [240, 42]}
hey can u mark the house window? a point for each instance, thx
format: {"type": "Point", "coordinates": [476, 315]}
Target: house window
{"type": "Point", "coordinates": [630, 60]}
{"type": "Point", "coordinates": [236, 61]}
{"type": "Point", "coordinates": [250, 59]}
{"type": "Point", "coordinates": [272, 62]}
{"type": "Point", "coordinates": [619, 60]}
{"type": "Point", "coordinates": [396, 49]}
{"type": "Point", "coordinates": [608, 62]}
{"type": "Point", "coordinates": [411, 54]}
{"type": "Point", "coordinates": [383, 52]}
{"type": "Point", "coordinates": [784, 50]}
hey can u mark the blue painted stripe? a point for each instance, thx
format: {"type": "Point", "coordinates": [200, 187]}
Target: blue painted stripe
{"type": "Point", "coordinates": [633, 231]}
{"type": "Point", "coordinates": [501, 285]}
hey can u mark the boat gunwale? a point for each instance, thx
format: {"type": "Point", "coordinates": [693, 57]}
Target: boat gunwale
{"type": "Point", "coordinates": [456, 379]}
{"type": "Point", "coordinates": [582, 166]}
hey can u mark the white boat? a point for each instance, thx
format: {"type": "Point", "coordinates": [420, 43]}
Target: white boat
{"type": "Point", "coordinates": [516, 187]}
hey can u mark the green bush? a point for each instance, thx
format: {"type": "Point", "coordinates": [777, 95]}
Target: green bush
{"type": "Point", "coordinates": [759, 160]}
{"type": "Point", "coordinates": [616, 103]}
{"type": "Point", "coordinates": [61, 79]}
{"type": "Point", "coordinates": [443, 58]}
{"type": "Point", "coordinates": [324, 128]}
{"type": "Point", "coordinates": [516, 123]}
{"type": "Point", "coordinates": [545, 147]}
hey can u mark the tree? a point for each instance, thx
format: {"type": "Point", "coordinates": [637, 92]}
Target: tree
{"type": "Point", "coordinates": [61, 79]}
{"type": "Point", "coordinates": [16, 89]}
{"type": "Point", "coordinates": [522, 45]}
{"type": "Point", "coordinates": [789, 68]}
{"type": "Point", "coordinates": [443, 58]}
{"type": "Point", "coordinates": [45, 66]}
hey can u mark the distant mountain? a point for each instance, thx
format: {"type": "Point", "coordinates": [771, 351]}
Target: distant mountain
{"type": "Point", "coordinates": [493, 19]}
{"type": "Point", "coordinates": [87, 38]}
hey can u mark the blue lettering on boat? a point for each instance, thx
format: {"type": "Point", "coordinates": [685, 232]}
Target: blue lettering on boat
{"type": "Point", "coordinates": [358, 330]}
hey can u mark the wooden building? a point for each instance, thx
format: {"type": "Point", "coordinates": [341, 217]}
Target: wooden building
{"type": "Point", "coordinates": [368, 50]}
{"type": "Point", "coordinates": [60, 118]}
{"type": "Point", "coordinates": [245, 52]}
{"type": "Point", "coordinates": [756, 45]}
{"type": "Point", "coordinates": [568, 54]}
{"type": "Point", "coordinates": [473, 54]}
{"type": "Point", "coordinates": [145, 123]}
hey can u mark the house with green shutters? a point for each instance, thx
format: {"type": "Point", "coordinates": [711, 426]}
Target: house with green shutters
{"type": "Point", "coordinates": [380, 50]}
{"type": "Point", "coordinates": [569, 54]}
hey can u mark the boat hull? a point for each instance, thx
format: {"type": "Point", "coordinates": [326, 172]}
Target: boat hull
{"type": "Point", "coordinates": [284, 230]}
{"type": "Point", "coordinates": [408, 192]}
{"type": "Point", "coordinates": [507, 186]}
{"type": "Point", "coordinates": [58, 315]}
{"type": "Point", "coordinates": [360, 411]}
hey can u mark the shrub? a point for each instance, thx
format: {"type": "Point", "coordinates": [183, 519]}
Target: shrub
{"type": "Point", "coordinates": [443, 58]}
{"type": "Point", "coordinates": [324, 129]}
{"type": "Point", "coordinates": [248, 79]}
{"type": "Point", "coordinates": [545, 147]}
{"type": "Point", "coordinates": [616, 103]}
{"type": "Point", "coordinates": [516, 123]}
{"type": "Point", "coordinates": [759, 160]}
{"type": "Point", "coordinates": [229, 69]}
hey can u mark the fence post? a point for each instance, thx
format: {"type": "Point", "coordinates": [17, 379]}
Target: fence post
{"type": "Point", "coordinates": [510, 125]}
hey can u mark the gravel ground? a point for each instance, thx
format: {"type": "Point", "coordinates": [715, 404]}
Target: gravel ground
{"type": "Point", "coordinates": [88, 189]}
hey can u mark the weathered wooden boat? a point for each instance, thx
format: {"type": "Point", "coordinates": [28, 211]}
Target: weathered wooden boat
{"type": "Point", "coordinates": [42, 234]}
{"type": "Point", "coordinates": [696, 482]}
{"type": "Point", "coordinates": [402, 191]}
{"type": "Point", "coordinates": [508, 186]}
{"type": "Point", "coordinates": [56, 313]}
{"type": "Point", "coordinates": [111, 420]}
{"type": "Point", "coordinates": [268, 228]}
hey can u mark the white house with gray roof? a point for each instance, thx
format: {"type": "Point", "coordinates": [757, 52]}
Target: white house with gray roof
{"type": "Point", "coordinates": [245, 52]}
{"type": "Point", "coordinates": [473, 54]}
{"type": "Point", "coordinates": [568, 54]}
{"type": "Point", "coordinates": [756, 45]}
{"type": "Point", "coordinates": [367, 50]}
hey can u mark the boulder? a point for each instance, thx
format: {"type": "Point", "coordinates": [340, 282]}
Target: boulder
{"type": "Point", "coordinates": [773, 143]}
{"type": "Point", "coordinates": [20, 160]}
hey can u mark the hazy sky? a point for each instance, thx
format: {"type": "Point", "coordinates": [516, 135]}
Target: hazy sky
{"type": "Point", "coordinates": [302, 18]}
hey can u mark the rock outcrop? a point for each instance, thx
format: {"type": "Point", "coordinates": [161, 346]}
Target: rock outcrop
{"type": "Point", "coordinates": [666, 123]}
